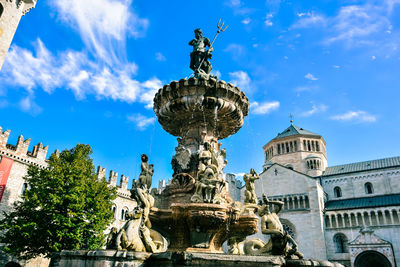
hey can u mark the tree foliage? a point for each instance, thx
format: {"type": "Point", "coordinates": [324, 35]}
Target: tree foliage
{"type": "Point", "coordinates": [65, 208]}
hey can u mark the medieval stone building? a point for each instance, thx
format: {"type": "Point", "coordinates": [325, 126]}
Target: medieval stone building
{"type": "Point", "coordinates": [11, 12]}
{"type": "Point", "coordinates": [347, 213]}
{"type": "Point", "coordinates": [14, 163]}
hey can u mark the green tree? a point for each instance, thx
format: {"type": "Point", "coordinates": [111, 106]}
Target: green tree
{"type": "Point", "coordinates": [65, 208]}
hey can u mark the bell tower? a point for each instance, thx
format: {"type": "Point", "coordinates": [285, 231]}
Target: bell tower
{"type": "Point", "coordinates": [297, 149]}
{"type": "Point", "coordinates": [11, 12]}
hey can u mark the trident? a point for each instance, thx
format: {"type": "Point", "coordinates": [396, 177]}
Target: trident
{"type": "Point", "coordinates": [220, 29]}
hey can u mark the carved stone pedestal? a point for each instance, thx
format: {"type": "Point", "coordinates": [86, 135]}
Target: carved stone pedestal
{"type": "Point", "coordinates": [202, 227]}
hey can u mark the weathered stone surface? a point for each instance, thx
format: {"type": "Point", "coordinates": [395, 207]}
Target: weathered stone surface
{"type": "Point", "coordinates": [201, 227]}
{"type": "Point", "coordinates": [169, 259]}
{"type": "Point", "coordinates": [185, 106]}
{"type": "Point", "coordinates": [104, 258]}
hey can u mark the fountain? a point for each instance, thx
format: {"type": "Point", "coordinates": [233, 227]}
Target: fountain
{"type": "Point", "coordinates": [196, 214]}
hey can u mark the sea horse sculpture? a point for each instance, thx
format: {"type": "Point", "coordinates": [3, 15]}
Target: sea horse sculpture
{"type": "Point", "coordinates": [136, 234]}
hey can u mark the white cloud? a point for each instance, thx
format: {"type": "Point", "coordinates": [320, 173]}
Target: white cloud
{"type": "Point", "coordinates": [264, 108]}
{"type": "Point", "coordinates": [74, 71]}
{"type": "Point", "coordinates": [101, 23]}
{"type": "Point", "coordinates": [141, 121]}
{"type": "Point", "coordinates": [310, 77]}
{"type": "Point", "coordinates": [236, 50]}
{"type": "Point", "coordinates": [373, 57]}
{"type": "Point", "coordinates": [357, 22]}
{"type": "Point", "coordinates": [308, 20]}
{"type": "Point", "coordinates": [301, 14]}
{"type": "Point", "coordinates": [336, 66]}
{"type": "Point", "coordinates": [28, 105]}
{"type": "Point", "coordinates": [268, 18]}
{"type": "Point", "coordinates": [240, 79]}
{"type": "Point", "coordinates": [314, 110]}
{"type": "Point", "coordinates": [246, 21]}
{"type": "Point", "coordinates": [150, 88]}
{"type": "Point", "coordinates": [160, 57]}
{"type": "Point", "coordinates": [305, 88]}
{"type": "Point", "coordinates": [355, 116]}
{"type": "Point", "coordinates": [238, 7]}
{"type": "Point", "coordinates": [234, 3]}
{"type": "Point", "coordinates": [101, 70]}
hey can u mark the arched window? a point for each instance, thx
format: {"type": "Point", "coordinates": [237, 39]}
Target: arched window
{"type": "Point", "coordinates": [114, 210]}
{"type": "Point", "coordinates": [124, 211]}
{"type": "Point", "coordinates": [337, 191]}
{"type": "Point", "coordinates": [368, 188]}
{"type": "Point", "coordinates": [340, 241]}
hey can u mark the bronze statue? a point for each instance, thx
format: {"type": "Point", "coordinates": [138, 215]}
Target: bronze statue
{"type": "Point", "coordinates": [199, 57]}
{"type": "Point", "coordinates": [250, 193]}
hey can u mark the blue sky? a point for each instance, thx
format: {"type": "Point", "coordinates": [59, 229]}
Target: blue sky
{"type": "Point", "coordinates": [86, 72]}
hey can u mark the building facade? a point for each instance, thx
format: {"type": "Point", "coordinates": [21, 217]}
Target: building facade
{"type": "Point", "coordinates": [11, 12]}
{"type": "Point", "coordinates": [347, 213]}
{"type": "Point", "coordinates": [14, 163]}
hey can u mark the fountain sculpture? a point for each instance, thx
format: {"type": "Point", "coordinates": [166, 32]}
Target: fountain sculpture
{"type": "Point", "coordinates": [196, 214]}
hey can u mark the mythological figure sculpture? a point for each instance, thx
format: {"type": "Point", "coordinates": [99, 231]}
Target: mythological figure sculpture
{"type": "Point", "coordinates": [146, 173]}
{"type": "Point", "coordinates": [250, 193]}
{"type": "Point", "coordinates": [199, 58]}
{"type": "Point", "coordinates": [209, 183]}
{"type": "Point", "coordinates": [136, 234]}
{"type": "Point", "coordinates": [280, 243]}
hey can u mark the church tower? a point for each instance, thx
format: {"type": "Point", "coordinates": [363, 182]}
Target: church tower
{"type": "Point", "coordinates": [11, 12]}
{"type": "Point", "coordinates": [298, 149]}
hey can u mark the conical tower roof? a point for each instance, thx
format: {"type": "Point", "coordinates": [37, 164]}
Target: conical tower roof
{"type": "Point", "coordinates": [295, 130]}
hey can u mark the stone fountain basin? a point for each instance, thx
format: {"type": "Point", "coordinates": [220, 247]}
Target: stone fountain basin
{"type": "Point", "coordinates": [201, 227]}
{"type": "Point", "coordinates": [193, 103]}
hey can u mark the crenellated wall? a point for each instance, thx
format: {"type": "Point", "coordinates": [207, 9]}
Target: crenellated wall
{"type": "Point", "coordinates": [19, 157]}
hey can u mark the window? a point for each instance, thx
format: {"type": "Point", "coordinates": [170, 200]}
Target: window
{"type": "Point", "coordinates": [337, 191]}
{"type": "Point", "coordinates": [114, 210]}
{"type": "Point", "coordinates": [1, 10]}
{"type": "Point", "coordinates": [124, 211]}
{"type": "Point", "coordinates": [368, 188]}
{"type": "Point", "coordinates": [340, 241]}
{"type": "Point", "coordinates": [24, 188]}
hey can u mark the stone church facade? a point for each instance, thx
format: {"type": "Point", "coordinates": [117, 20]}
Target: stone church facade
{"type": "Point", "coordinates": [347, 213]}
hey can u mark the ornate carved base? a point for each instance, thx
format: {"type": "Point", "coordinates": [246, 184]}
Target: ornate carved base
{"type": "Point", "coordinates": [202, 227]}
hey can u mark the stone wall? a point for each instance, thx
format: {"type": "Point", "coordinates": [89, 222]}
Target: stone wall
{"type": "Point", "coordinates": [11, 13]}
{"type": "Point", "coordinates": [383, 220]}
{"type": "Point", "coordinates": [353, 185]}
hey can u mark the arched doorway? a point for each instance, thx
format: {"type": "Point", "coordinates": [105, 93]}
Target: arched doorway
{"type": "Point", "coordinates": [371, 258]}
